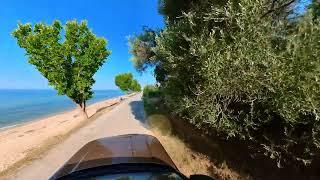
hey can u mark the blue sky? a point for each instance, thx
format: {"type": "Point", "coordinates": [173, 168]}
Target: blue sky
{"type": "Point", "coordinates": [115, 20]}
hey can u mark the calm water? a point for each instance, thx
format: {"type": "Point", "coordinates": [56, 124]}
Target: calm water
{"type": "Point", "coordinates": [17, 106]}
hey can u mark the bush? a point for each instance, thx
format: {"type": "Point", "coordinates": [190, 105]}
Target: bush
{"type": "Point", "coordinates": [153, 100]}
{"type": "Point", "coordinates": [239, 74]}
{"type": "Point", "coordinates": [151, 91]}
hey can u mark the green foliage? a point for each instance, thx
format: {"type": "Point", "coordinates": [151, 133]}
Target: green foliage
{"type": "Point", "coordinates": [173, 9]}
{"type": "Point", "coordinates": [135, 86]}
{"type": "Point", "coordinates": [150, 91]}
{"type": "Point", "coordinates": [240, 71]}
{"type": "Point", "coordinates": [123, 81]}
{"type": "Point", "coordinates": [68, 62]}
{"type": "Point", "coordinates": [315, 8]}
{"type": "Point", "coordinates": [126, 83]}
{"type": "Point", "coordinates": [153, 100]}
{"type": "Point", "coordinates": [141, 49]}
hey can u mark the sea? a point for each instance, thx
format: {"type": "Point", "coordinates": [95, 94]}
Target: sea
{"type": "Point", "coordinates": [18, 106]}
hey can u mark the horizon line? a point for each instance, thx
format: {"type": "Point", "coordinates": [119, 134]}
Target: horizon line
{"type": "Point", "coordinates": [47, 89]}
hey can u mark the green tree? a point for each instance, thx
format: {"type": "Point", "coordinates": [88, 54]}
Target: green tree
{"type": "Point", "coordinates": [141, 48]}
{"type": "Point", "coordinates": [126, 83]}
{"type": "Point", "coordinates": [172, 9]}
{"type": "Point", "coordinates": [315, 8]}
{"type": "Point", "coordinates": [135, 86]}
{"type": "Point", "coordinates": [68, 62]}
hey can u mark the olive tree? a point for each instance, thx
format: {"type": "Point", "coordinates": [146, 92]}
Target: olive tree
{"type": "Point", "coordinates": [67, 56]}
{"type": "Point", "coordinates": [244, 70]}
{"type": "Point", "coordinates": [141, 48]}
{"type": "Point", "coordinates": [315, 8]}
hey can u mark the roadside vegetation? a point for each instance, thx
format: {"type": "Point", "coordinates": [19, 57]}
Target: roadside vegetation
{"type": "Point", "coordinates": [244, 73]}
{"type": "Point", "coordinates": [126, 83]}
{"type": "Point", "coordinates": [152, 100]}
{"type": "Point", "coordinates": [190, 162]}
{"type": "Point", "coordinates": [176, 140]}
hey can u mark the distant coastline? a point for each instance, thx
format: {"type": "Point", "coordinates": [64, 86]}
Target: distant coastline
{"type": "Point", "coordinates": [19, 106]}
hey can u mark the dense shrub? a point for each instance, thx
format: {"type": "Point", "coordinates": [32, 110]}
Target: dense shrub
{"type": "Point", "coordinates": [153, 100]}
{"type": "Point", "coordinates": [232, 70]}
{"type": "Point", "coordinates": [150, 91]}
{"type": "Point", "coordinates": [242, 69]}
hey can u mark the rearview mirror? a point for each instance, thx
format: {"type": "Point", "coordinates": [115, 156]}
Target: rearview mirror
{"type": "Point", "coordinates": [200, 177]}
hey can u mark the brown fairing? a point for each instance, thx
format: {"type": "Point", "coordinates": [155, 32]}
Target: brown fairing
{"type": "Point", "coordinates": [131, 148]}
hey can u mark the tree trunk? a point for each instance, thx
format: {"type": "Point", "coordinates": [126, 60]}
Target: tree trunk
{"type": "Point", "coordinates": [82, 108]}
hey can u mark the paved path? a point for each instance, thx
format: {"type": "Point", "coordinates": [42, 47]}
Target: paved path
{"type": "Point", "coordinates": [126, 118]}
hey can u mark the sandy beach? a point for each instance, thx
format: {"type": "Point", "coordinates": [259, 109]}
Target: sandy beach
{"type": "Point", "coordinates": [22, 143]}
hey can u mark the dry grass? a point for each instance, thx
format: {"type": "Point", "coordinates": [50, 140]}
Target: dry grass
{"type": "Point", "coordinates": [188, 161]}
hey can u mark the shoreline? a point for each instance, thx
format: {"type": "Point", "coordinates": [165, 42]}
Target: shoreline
{"type": "Point", "coordinates": [50, 114]}
{"type": "Point", "coordinates": [24, 142]}
{"type": "Point", "coordinates": [9, 126]}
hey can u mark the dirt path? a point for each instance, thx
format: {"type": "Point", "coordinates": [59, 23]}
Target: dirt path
{"type": "Point", "coordinates": [127, 118]}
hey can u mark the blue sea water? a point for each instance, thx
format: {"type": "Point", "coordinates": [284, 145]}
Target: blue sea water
{"type": "Point", "coordinates": [18, 106]}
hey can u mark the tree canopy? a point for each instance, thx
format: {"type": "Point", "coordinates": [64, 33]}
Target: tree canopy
{"type": "Point", "coordinates": [67, 56]}
{"type": "Point", "coordinates": [126, 83]}
{"type": "Point", "coordinates": [141, 47]}
{"type": "Point", "coordinates": [315, 8]}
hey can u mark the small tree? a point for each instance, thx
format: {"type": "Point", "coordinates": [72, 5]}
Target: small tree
{"type": "Point", "coordinates": [126, 83]}
{"type": "Point", "coordinates": [68, 62]}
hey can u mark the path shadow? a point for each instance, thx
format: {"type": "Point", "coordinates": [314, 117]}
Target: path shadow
{"type": "Point", "coordinates": [137, 109]}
